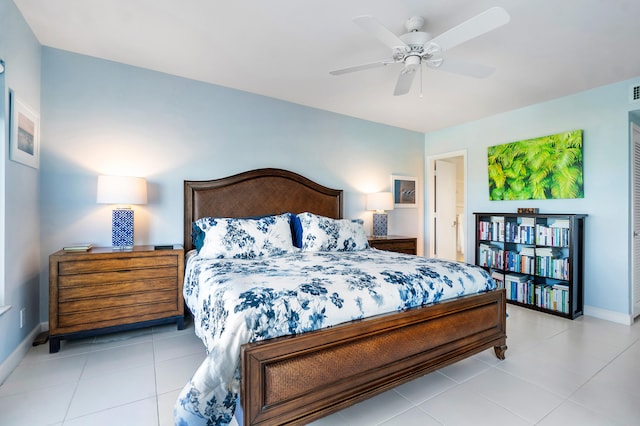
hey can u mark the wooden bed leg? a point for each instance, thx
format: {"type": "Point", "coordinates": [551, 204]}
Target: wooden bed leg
{"type": "Point", "coordinates": [499, 350]}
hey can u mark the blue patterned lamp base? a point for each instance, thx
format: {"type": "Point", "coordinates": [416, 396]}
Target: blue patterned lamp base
{"type": "Point", "coordinates": [122, 229]}
{"type": "Point", "coordinates": [379, 224]}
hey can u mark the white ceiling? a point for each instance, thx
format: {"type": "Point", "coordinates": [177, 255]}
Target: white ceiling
{"type": "Point", "coordinates": [285, 49]}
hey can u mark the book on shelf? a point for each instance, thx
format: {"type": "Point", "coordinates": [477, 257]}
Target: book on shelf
{"type": "Point", "coordinates": [548, 252]}
{"type": "Point", "coordinates": [78, 247]}
{"type": "Point", "coordinates": [518, 262]}
{"type": "Point", "coordinates": [491, 230]}
{"type": "Point", "coordinates": [560, 223]}
{"type": "Point", "coordinates": [490, 256]}
{"type": "Point", "coordinates": [528, 221]}
{"type": "Point", "coordinates": [556, 234]}
{"type": "Point", "coordinates": [516, 278]}
{"type": "Point", "coordinates": [561, 297]}
{"type": "Point", "coordinates": [528, 251]}
{"type": "Point", "coordinates": [551, 263]}
{"type": "Point", "coordinates": [519, 288]}
{"type": "Point", "coordinates": [520, 232]}
{"type": "Point", "coordinates": [554, 297]}
{"type": "Point", "coordinates": [498, 277]}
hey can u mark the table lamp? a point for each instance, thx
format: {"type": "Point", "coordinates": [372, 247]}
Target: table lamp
{"type": "Point", "coordinates": [380, 201]}
{"type": "Point", "coordinates": [123, 191]}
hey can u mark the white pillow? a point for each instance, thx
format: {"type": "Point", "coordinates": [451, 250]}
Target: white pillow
{"type": "Point", "coordinates": [321, 233]}
{"type": "Point", "coordinates": [246, 238]}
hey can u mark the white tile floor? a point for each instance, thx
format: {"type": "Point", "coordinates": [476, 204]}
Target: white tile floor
{"type": "Point", "coordinates": [557, 372]}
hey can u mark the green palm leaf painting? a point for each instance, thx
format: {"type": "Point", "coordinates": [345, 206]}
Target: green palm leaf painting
{"type": "Point", "coordinates": [540, 168]}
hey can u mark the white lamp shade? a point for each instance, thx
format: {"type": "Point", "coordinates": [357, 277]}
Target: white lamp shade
{"type": "Point", "coordinates": [380, 201]}
{"type": "Point", "coordinates": [122, 190]}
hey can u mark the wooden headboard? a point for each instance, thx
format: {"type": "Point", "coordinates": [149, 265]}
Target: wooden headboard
{"type": "Point", "coordinates": [256, 193]}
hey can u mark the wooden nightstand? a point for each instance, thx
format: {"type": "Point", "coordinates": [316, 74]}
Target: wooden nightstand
{"type": "Point", "coordinates": [102, 291]}
{"type": "Point", "coordinates": [395, 243]}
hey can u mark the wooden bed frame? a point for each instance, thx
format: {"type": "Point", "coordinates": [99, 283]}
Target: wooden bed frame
{"type": "Point", "coordinates": [297, 379]}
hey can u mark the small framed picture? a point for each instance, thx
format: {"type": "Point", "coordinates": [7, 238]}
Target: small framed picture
{"type": "Point", "coordinates": [405, 191]}
{"type": "Point", "coordinates": [24, 138]}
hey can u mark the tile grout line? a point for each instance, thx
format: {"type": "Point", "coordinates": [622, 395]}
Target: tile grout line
{"type": "Point", "coordinates": [73, 395]}
{"type": "Point", "coordinates": [155, 375]}
{"type": "Point", "coordinates": [591, 378]}
{"type": "Point", "coordinates": [495, 367]}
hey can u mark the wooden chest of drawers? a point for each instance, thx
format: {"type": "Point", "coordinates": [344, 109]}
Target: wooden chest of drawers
{"type": "Point", "coordinates": [395, 243]}
{"type": "Point", "coordinates": [102, 290]}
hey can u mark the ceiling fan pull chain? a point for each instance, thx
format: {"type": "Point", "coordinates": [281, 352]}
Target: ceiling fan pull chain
{"type": "Point", "coordinates": [420, 81]}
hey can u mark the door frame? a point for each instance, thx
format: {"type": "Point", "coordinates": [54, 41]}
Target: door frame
{"type": "Point", "coordinates": [430, 196]}
{"type": "Point", "coordinates": [635, 192]}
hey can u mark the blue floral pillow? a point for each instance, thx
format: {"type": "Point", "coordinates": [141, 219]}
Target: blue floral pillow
{"type": "Point", "coordinates": [321, 233]}
{"type": "Point", "coordinates": [245, 238]}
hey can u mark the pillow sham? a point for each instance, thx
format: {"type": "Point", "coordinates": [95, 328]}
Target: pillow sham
{"type": "Point", "coordinates": [197, 233]}
{"type": "Point", "coordinates": [245, 238]}
{"type": "Point", "coordinates": [321, 233]}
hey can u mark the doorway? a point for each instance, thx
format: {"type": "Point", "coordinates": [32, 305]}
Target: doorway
{"type": "Point", "coordinates": [446, 186]}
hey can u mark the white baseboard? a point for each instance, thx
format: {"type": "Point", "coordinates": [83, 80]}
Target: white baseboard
{"type": "Point", "coordinates": [4, 309]}
{"type": "Point", "coordinates": [12, 361]}
{"type": "Point", "coordinates": [612, 316]}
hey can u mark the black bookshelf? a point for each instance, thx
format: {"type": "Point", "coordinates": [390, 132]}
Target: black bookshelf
{"type": "Point", "coordinates": [537, 258]}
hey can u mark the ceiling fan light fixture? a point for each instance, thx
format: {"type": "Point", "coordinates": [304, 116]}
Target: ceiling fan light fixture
{"type": "Point", "coordinates": [412, 61]}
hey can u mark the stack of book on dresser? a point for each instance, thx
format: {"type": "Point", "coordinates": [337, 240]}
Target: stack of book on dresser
{"type": "Point", "coordinates": [78, 247]}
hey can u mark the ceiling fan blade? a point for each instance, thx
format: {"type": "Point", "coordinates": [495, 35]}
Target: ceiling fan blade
{"type": "Point", "coordinates": [474, 27]}
{"type": "Point", "coordinates": [464, 68]}
{"type": "Point", "coordinates": [361, 67]}
{"type": "Point", "coordinates": [374, 27]}
{"type": "Point", "coordinates": [405, 79]}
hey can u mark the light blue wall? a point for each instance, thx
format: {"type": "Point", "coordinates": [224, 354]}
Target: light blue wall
{"type": "Point", "coordinates": [103, 117]}
{"type": "Point", "coordinates": [20, 214]}
{"type": "Point", "coordinates": [603, 115]}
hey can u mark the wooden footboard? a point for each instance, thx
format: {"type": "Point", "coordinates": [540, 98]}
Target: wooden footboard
{"type": "Point", "coordinates": [296, 379]}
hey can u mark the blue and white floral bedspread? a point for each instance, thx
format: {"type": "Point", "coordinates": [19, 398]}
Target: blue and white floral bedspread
{"type": "Point", "coordinates": [235, 301]}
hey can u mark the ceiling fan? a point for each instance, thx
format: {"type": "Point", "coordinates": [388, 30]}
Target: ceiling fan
{"type": "Point", "coordinates": [417, 47]}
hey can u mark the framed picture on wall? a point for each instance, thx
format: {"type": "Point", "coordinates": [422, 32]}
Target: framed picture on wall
{"type": "Point", "coordinates": [24, 136]}
{"type": "Point", "coordinates": [405, 191]}
{"type": "Point", "coordinates": [542, 168]}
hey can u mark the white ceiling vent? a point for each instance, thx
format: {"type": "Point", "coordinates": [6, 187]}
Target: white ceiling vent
{"type": "Point", "coordinates": [634, 93]}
